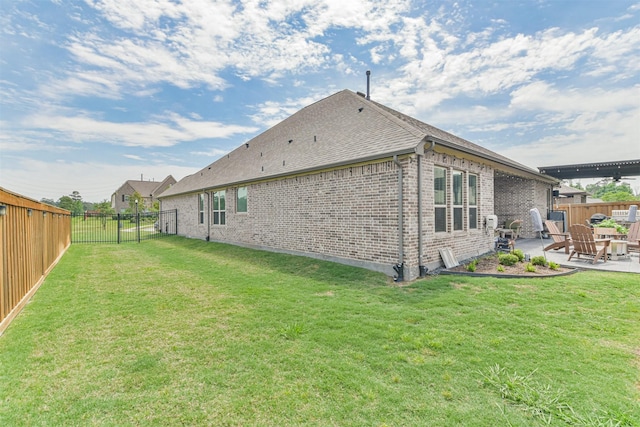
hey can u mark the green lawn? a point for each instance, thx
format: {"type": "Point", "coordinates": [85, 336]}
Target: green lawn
{"type": "Point", "coordinates": [185, 332]}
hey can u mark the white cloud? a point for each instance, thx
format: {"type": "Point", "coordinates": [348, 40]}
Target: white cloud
{"type": "Point", "coordinates": [271, 113]}
{"type": "Point", "coordinates": [542, 96]}
{"type": "Point", "coordinates": [214, 152]}
{"type": "Point", "coordinates": [95, 181]}
{"type": "Point", "coordinates": [166, 131]}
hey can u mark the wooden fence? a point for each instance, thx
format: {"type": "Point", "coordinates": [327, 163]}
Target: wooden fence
{"type": "Point", "coordinates": [33, 237]}
{"type": "Point", "coordinates": [578, 213]}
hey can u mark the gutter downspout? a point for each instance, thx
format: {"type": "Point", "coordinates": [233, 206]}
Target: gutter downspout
{"type": "Point", "coordinates": [420, 150]}
{"type": "Point", "coordinates": [399, 267]}
{"type": "Point", "coordinates": [208, 214]}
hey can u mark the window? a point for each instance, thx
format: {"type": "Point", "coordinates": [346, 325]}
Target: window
{"type": "Point", "coordinates": [473, 201]}
{"type": "Point", "coordinates": [218, 207]}
{"type": "Point", "coordinates": [457, 200]}
{"type": "Point", "coordinates": [440, 198]}
{"type": "Point", "coordinates": [201, 208]}
{"type": "Point", "coordinates": [241, 199]}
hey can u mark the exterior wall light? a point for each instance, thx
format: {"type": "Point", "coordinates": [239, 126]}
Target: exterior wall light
{"type": "Point", "coordinates": [29, 212]}
{"type": "Point", "coordinates": [3, 210]}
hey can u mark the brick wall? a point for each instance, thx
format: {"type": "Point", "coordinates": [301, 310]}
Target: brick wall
{"type": "Point", "coordinates": [515, 196]}
{"type": "Point", "coordinates": [348, 215]}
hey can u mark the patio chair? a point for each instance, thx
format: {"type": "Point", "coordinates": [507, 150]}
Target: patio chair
{"type": "Point", "coordinates": [512, 229]}
{"type": "Point", "coordinates": [585, 244]}
{"type": "Point", "coordinates": [560, 240]}
{"type": "Point", "coordinates": [633, 239]}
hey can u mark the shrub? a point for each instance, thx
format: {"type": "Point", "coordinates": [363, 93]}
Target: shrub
{"type": "Point", "coordinates": [501, 269]}
{"type": "Point", "coordinates": [472, 265]}
{"type": "Point", "coordinates": [553, 265]}
{"type": "Point", "coordinates": [507, 259]}
{"type": "Point", "coordinates": [539, 260]}
{"type": "Point", "coordinates": [530, 268]}
{"type": "Point", "coordinates": [519, 254]}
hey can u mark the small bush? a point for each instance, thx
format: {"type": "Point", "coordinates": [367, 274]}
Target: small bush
{"type": "Point", "coordinates": [553, 265]}
{"type": "Point", "coordinates": [519, 254]}
{"type": "Point", "coordinates": [539, 260]}
{"type": "Point", "coordinates": [472, 266]}
{"type": "Point", "coordinates": [530, 268]}
{"type": "Point", "coordinates": [501, 269]}
{"type": "Point", "coordinates": [507, 259]}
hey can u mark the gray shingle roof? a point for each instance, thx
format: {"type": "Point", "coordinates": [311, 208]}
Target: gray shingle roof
{"type": "Point", "coordinates": [343, 128]}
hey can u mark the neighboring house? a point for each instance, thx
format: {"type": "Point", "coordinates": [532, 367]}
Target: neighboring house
{"type": "Point", "coordinates": [568, 195]}
{"type": "Point", "coordinates": [149, 190]}
{"type": "Point", "coordinates": [353, 181]}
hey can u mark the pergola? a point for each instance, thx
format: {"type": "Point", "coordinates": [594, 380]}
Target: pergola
{"type": "Point", "coordinates": [615, 170]}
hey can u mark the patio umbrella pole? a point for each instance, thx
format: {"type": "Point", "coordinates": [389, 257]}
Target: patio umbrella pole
{"type": "Point", "coordinates": [536, 219]}
{"type": "Point", "coordinates": [542, 243]}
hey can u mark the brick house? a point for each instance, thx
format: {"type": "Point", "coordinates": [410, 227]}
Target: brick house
{"type": "Point", "coordinates": [149, 190]}
{"type": "Point", "coordinates": [350, 180]}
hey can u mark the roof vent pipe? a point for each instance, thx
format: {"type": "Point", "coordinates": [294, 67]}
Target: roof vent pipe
{"type": "Point", "coordinates": [368, 83]}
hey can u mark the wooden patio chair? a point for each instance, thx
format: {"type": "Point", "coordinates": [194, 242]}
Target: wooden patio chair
{"type": "Point", "coordinates": [560, 240]}
{"type": "Point", "coordinates": [633, 239]}
{"type": "Point", "coordinates": [585, 244]}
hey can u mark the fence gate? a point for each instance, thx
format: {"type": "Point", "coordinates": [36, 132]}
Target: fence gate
{"type": "Point", "coordinates": [121, 228]}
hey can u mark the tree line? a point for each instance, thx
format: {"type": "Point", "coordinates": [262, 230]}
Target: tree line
{"type": "Point", "coordinates": [74, 203]}
{"type": "Point", "coordinates": [609, 191]}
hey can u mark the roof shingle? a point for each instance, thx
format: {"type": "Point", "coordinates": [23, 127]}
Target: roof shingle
{"type": "Point", "coordinates": [340, 129]}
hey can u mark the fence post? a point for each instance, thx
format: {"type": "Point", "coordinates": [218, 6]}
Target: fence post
{"type": "Point", "coordinates": [137, 222]}
{"type": "Point", "coordinates": [118, 227]}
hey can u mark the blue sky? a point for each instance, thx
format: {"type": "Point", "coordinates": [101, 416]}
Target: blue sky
{"type": "Point", "coordinates": [96, 92]}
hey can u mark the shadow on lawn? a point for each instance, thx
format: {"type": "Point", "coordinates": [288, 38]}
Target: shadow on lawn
{"type": "Point", "coordinates": [326, 272]}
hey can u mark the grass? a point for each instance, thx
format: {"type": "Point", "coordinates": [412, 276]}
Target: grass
{"type": "Point", "coordinates": [185, 332]}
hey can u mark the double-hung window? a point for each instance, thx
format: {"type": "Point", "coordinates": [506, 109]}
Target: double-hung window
{"type": "Point", "coordinates": [201, 208]}
{"type": "Point", "coordinates": [458, 207]}
{"type": "Point", "coordinates": [241, 199]}
{"type": "Point", "coordinates": [473, 201]}
{"type": "Point", "coordinates": [218, 208]}
{"type": "Point", "coordinates": [440, 198]}
{"type": "Point", "coordinates": [455, 200]}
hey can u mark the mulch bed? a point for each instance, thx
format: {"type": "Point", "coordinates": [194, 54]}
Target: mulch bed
{"type": "Point", "coordinates": [488, 265]}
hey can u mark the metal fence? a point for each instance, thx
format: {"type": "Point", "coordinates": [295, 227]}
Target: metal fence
{"type": "Point", "coordinates": [93, 227]}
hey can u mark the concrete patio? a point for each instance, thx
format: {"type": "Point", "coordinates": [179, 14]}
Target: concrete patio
{"type": "Point", "coordinates": [534, 247]}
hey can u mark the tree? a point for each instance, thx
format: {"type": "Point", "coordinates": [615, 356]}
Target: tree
{"type": "Point", "coordinates": [66, 202]}
{"type": "Point", "coordinates": [602, 189]}
{"type": "Point", "coordinates": [132, 202]}
{"type": "Point", "coordinates": [48, 201]}
{"type": "Point", "coordinates": [618, 196]}
{"type": "Point", "coordinates": [73, 203]}
{"type": "Point", "coordinates": [105, 209]}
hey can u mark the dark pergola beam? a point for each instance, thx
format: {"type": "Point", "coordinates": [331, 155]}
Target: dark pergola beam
{"type": "Point", "coordinates": [615, 170]}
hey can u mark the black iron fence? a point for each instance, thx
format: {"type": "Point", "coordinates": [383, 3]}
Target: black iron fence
{"type": "Point", "coordinates": [92, 227]}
